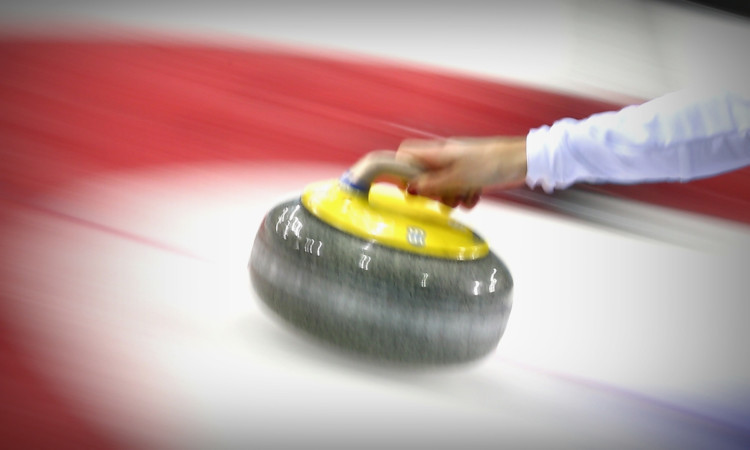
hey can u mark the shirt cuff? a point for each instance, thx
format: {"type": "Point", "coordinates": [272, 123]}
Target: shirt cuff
{"type": "Point", "coordinates": [538, 160]}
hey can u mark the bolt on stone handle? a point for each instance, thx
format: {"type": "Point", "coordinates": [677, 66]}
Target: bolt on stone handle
{"type": "Point", "coordinates": [378, 163]}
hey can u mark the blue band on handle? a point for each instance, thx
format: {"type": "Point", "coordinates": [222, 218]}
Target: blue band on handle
{"type": "Point", "coordinates": [345, 179]}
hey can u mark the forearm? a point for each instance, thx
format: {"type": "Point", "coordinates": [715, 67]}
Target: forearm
{"type": "Point", "coordinates": [678, 137]}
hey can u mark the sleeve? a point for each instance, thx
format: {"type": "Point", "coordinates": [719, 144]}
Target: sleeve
{"type": "Point", "coordinates": [681, 136]}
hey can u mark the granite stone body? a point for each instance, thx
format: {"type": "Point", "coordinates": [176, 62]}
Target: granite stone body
{"type": "Point", "coordinates": [374, 300]}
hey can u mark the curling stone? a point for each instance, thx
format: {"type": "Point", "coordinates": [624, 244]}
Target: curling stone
{"type": "Point", "coordinates": [373, 270]}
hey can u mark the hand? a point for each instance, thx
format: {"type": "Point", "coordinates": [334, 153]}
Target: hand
{"type": "Point", "coordinates": [458, 169]}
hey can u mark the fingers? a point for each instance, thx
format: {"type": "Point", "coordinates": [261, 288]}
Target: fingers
{"type": "Point", "coordinates": [471, 199]}
{"type": "Point", "coordinates": [467, 199]}
{"type": "Point", "coordinates": [444, 179]}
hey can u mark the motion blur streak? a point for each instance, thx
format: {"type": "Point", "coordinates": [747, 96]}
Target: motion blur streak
{"type": "Point", "coordinates": [74, 107]}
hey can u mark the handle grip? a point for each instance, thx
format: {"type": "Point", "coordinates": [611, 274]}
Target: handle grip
{"type": "Point", "coordinates": [378, 163]}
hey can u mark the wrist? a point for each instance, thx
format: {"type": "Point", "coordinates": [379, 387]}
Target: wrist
{"type": "Point", "coordinates": [511, 164]}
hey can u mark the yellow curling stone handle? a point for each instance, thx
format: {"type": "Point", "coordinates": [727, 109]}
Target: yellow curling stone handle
{"type": "Point", "coordinates": [383, 213]}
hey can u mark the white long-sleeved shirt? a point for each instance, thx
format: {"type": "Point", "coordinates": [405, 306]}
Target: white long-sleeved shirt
{"type": "Point", "coordinates": [681, 136]}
